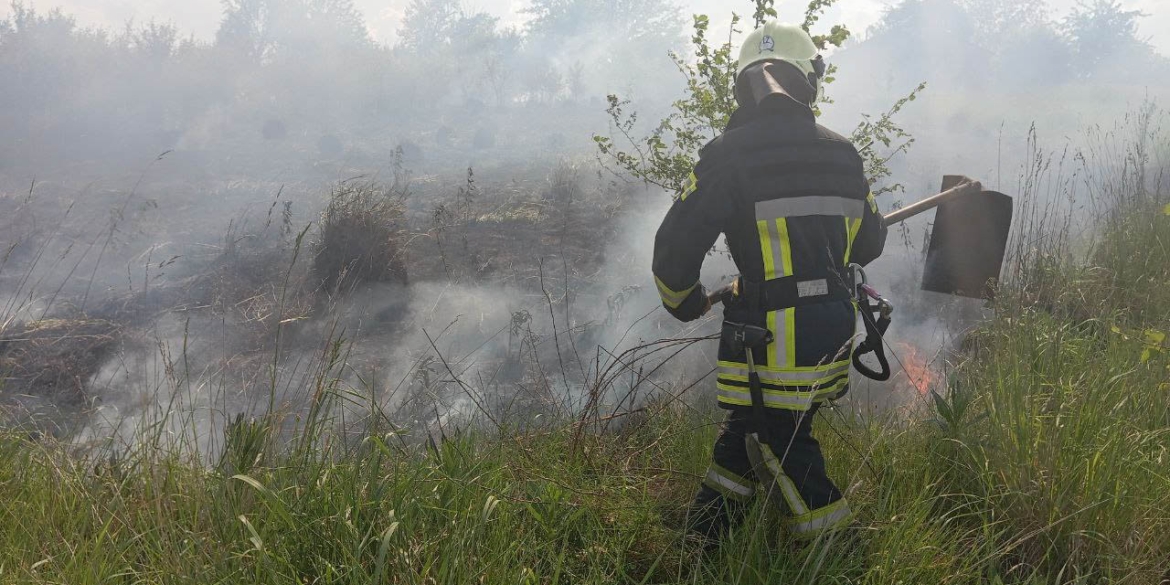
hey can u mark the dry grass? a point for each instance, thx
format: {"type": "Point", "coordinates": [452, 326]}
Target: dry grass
{"type": "Point", "coordinates": [54, 359]}
{"type": "Point", "coordinates": [361, 237]}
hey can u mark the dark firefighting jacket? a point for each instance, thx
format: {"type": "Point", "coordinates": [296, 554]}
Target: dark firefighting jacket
{"type": "Point", "coordinates": [794, 203]}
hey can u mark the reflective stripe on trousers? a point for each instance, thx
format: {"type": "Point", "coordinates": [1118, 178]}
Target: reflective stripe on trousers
{"type": "Point", "coordinates": [804, 523]}
{"type": "Point", "coordinates": [835, 515]}
{"type": "Point", "coordinates": [729, 484]}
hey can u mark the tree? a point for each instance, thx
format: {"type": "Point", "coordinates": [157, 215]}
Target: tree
{"type": "Point", "coordinates": [449, 43]}
{"type": "Point", "coordinates": [621, 40]}
{"type": "Point", "coordinates": [1020, 43]}
{"type": "Point", "coordinates": [262, 29]}
{"type": "Point", "coordinates": [244, 28]}
{"type": "Point", "coordinates": [1103, 32]}
{"type": "Point", "coordinates": [429, 25]}
{"type": "Point", "coordinates": [667, 155]}
{"type": "Point", "coordinates": [633, 20]}
{"type": "Point", "coordinates": [155, 41]}
{"type": "Point", "coordinates": [993, 19]}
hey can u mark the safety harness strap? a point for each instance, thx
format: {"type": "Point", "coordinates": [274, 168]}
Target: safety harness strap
{"type": "Point", "coordinates": [875, 331]}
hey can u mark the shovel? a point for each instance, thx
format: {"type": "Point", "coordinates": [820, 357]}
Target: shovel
{"type": "Point", "coordinates": [969, 239]}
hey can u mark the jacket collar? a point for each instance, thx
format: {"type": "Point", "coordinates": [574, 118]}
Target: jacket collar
{"type": "Point", "coordinates": [780, 106]}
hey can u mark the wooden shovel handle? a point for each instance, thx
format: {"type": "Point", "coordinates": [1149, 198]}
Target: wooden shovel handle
{"type": "Point", "coordinates": [966, 187]}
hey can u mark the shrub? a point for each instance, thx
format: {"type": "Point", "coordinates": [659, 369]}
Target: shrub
{"type": "Point", "coordinates": [561, 184]}
{"type": "Point", "coordinates": [360, 237]}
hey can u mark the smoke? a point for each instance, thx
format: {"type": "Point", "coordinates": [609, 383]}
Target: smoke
{"type": "Point", "coordinates": [172, 168]}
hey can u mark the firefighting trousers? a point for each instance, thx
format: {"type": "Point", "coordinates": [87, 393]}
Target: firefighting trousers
{"type": "Point", "coordinates": [813, 502]}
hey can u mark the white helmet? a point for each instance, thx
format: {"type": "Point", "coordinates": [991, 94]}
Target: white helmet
{"type": "Point", "coordinates": [789, 43]}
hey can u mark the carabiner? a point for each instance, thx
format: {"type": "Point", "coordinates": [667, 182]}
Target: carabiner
{"type": "Point", "coordinates": [854, 270]}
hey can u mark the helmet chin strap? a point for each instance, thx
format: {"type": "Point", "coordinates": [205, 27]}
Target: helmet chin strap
{"type": "Point", "coordinates": [814, 78]}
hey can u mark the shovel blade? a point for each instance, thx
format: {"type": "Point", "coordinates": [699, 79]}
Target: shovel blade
{"type": "Point", "coordinates": [968, 244]}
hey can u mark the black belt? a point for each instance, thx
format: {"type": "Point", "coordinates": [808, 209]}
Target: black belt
{"type": "Point", "coordinates": [794, 291]}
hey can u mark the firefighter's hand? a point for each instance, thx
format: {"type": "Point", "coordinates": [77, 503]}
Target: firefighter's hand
{"type": "Point", "coordinates": [722, 295]}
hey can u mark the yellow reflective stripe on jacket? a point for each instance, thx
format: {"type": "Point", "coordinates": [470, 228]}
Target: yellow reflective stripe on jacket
{"type": "Point", "coordinates": [768, 247]}
{"type": "Point", "coordinates": [831, 392]}
{"type": "Point", "coordinates": [809, 525]}
{"type": "Point", "coordinates": [852, 227]}
{"type": "Point", "coordinates": [673, 298]}
{"type": "Point", "coordinates": [782, 350]}
{"type": "Point", "coordinates": [691, 186]}
{"type": "Point", "coordinates": [797, 400]}
{"type": "Point", "coordinates": [737, 396]}
{"type": "Point", "coordinates": [785, 247]}
{"type": "Point", "coordinates": [794, 376]}
{"type": "Point", "coordinates": [789, 340]}
{"type": "Point", "coordinates": [817, 391]}
{"type": "Point", "coordinates": [777, 348]}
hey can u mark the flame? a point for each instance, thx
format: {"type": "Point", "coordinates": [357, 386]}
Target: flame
{"type": "Point", "coordinates": [917, 370]}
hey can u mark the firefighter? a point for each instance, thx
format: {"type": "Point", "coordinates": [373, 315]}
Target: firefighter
{"type": "Point", "coordinates": [794, 203]}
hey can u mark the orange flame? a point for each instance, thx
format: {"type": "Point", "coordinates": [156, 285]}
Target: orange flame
{"type": "Point", "coordinates": [917, 370]}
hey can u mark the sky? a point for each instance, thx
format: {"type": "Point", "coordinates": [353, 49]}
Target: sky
{"type": "Point", "coordinates": [201, 17]}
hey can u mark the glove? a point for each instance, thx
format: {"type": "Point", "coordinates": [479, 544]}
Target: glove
{"type": "Point", "coordinates": [696, 305]}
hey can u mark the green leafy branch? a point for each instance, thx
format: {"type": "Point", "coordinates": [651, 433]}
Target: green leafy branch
{"type": "Point", "coordinates": [666, 156]}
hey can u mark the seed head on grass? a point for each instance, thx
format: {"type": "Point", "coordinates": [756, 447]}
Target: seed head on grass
{"type": "Point", "coordinates": [361, 237]}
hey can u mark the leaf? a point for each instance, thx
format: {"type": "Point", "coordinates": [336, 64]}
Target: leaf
{"type": "Point", "coordinates": [1166, 209]}
{"type": "Point", "coordinates": [252, 482]}
{"type": "Point", "coordinates": [384, 549]}
{"type": "Point", "coordinates": [944, 409]}
{"type": "Point", "coordinates": [255, 538]}
{"type": "Point", "coordinates": [489, 507]}
{"type": "Point", "coordinates": [1155, 338]}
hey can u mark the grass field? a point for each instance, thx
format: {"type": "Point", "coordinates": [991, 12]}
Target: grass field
{"type": "Point", "coordinates": [1043, 457]}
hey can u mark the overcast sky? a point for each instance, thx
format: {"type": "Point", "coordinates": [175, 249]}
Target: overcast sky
{"type": "Point", "coordinates": [201, 17]}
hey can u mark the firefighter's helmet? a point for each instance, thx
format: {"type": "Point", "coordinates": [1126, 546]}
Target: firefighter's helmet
{"type": "Point", "coordinates": [775, 41]}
